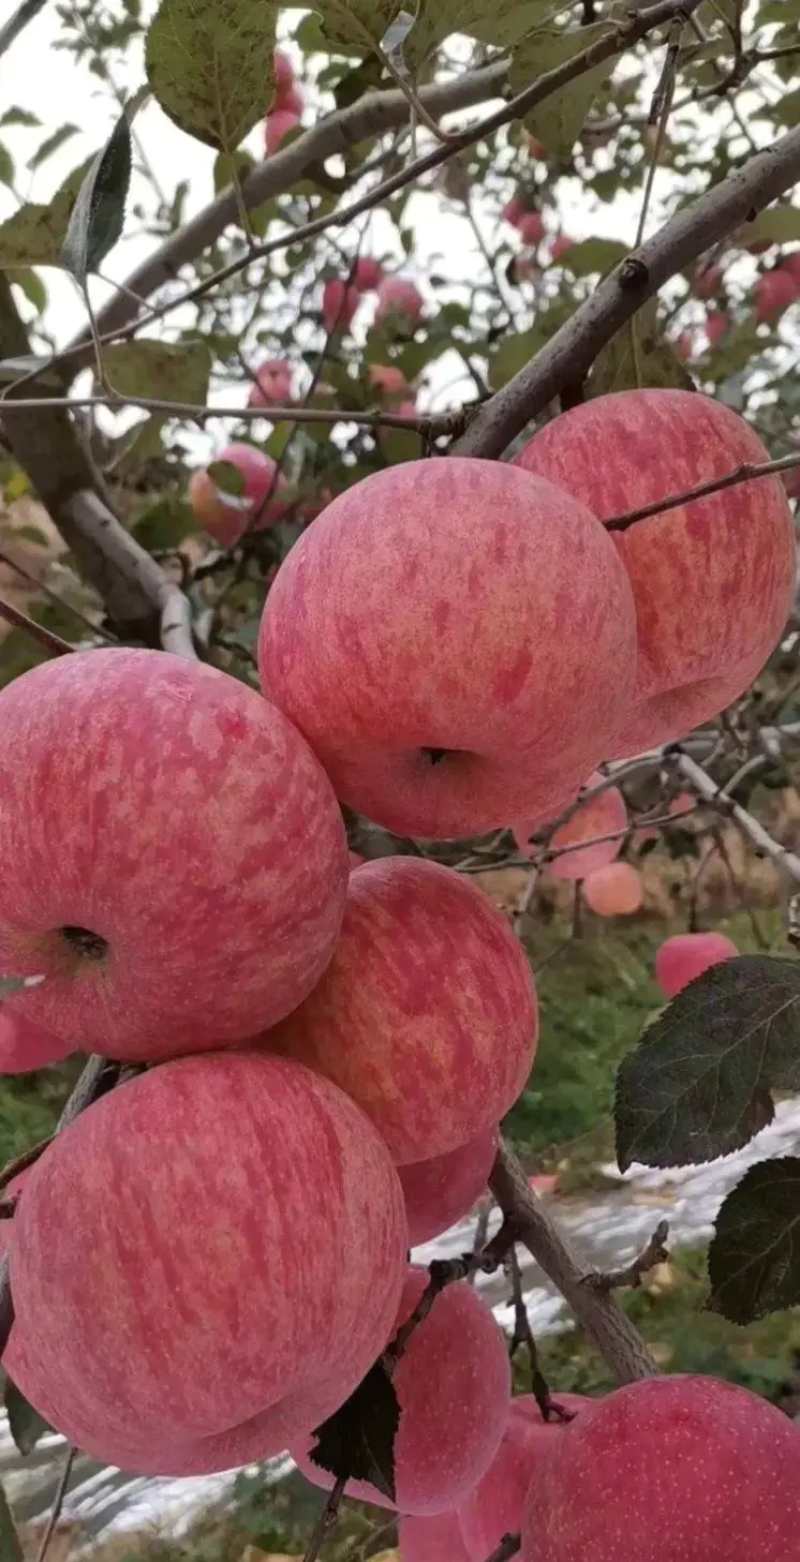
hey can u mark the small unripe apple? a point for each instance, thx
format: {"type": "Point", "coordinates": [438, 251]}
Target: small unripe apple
{"type": "Point", "coordinates": [687, 955]}
{"type": "Point", "coordinates": [614, 891]}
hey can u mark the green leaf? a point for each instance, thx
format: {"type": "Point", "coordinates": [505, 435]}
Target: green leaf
{"type": "Point", "coordinates": [51, 145]}
{"type": "Point", "coordinates": [209, 63]}
{"type": "Point", "coordinates": [229, 481]}
{"type": "Point", "coordinates": [98, 216]}
{"type": "Point", "coordinates": [699, 1083]}
{"type": "Point", "coordinates": [25, 1424]}
{"type": "Point", "coordinates": [593, 255]}
{"type": "Point", "coordinates": [558, 121]}
{"type": "Point", "coordinates": [10, 1548]}
{"type": "Point", "coordinates": [754, 1257]}
{"type": "Point", "coordinates": [6, 167]}
{"type": "Point", "coordinates": [226, 164]}
{"type": "Point", "coordinates": [20, 116]}
{"type": "Point", "coordinates": [165, 371]}
{"type": "Point", "coordinates": [779, 224]}
{"type": "Point", "coordinates": [35, 233]}
{"type": "Point", "coordinates": [31, 285]}
{"type": "Point", "coordinates": [357, 1441]}
{"type": "Point", "coordinates": [638, 356]}
{"type": "Point", "coordinates": [357, 24]}
{"type": "Point", "coordinates": [512, 355]}
{"type": "Point", "coordinates": [788, 109]}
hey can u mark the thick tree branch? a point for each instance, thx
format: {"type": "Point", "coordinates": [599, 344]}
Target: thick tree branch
{"type": "Point", "coordinates": [571, 352]}
{"type": "Point", "coordinates": [137, 595]}
{"type": "Point", "coordinates": [605, 1324]}
{"type": "Point", "coordinates": [706, 787]}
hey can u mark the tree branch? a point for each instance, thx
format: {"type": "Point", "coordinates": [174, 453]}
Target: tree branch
{"type": "Point", "coordinates": [652, 1254]}
{"type": "Point", "coordinates": [52, 643]}
{"type": "Point", "coordinates": [706, 787]}
{"type": "Point", "coordinates": [137, 595]}
{"type": "Point", "coordinates": [606, 1325]}
{"type": "Point", "coordinates": [571, 352]}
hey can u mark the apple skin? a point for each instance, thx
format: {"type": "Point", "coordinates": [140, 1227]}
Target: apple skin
{"type": "Point", "coordinates": [273, 384]}
{"type": "Point", "coordinates": [457, 642]}
{"type": "Point", "coordinates": [279, 123]}
{"type": "Point", "coordinates": [440, 1191]}
{"type": "Point", "coordinates": [426, 1015]}
{"type": "Point", "coordinates": [398, 296]}
{"type": "Point", "coordinates": [673, 1469]}
{"type": "Point", "coordinates": [495, 1507]}
{"type": "Point", "coordinates": [616, 890]}
{"type": "Point", "coordinates": [339, 304]}
{"type": "Point", "coordinates": [284, 71]}
{"type": "Point", "coordinates": [686, 956]}
{"type": "Point", "coordinates": [530, 228]}
{"type": "Point", "coordinates": [602, 815]}
{"type": "Point", "coordinates": [717, 325]}
{"type": "Point", "coordinates": [160, 805]}
{"type": "Point", "coordinates": [775, 291]}
{"type": "Point", "coordinates": [202, 1305]}
{"type": "Point", "coordinates": [367, 274]}
{"type": "Point", "coordinates": [713, 580]}
{"type": "Point", "coordinates": [25, 1046]}
{"type": "Point", "coordinates": [453, 1382]}
{"type": "Point", "coordinates": [435, 1538]}
{"type": "Point", "coordinates": [227, 521]}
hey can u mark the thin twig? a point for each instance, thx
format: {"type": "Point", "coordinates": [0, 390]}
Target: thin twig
{"type": "Point", "coordinates": [53, 596]}
{"type": "Point", "coordinates": [746, 473]}
{"type": "Point", "coordinates": [707, 788]}
{"type": "Point", "coordinates": [327, 1520]}
{"type": "Point", "coordinates": [45, 637]}
{"type": "Point", "coordinates": [58, 1503]}
{"type": "Point", "coordinates": [651, 1256]}
{"type": "Point", "coordinates": [523, 1335]}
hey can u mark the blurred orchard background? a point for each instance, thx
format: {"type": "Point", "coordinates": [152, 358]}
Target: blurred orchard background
{"type": "Point", "coordinates": [502, 241]}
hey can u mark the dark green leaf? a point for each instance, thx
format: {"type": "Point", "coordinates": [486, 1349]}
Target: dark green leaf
{"type": "Point", "coordinates": [557, 122]}
{"type": "Point", "coordinates": [593, 255]}
{"type": "Point", "coordinates": [228, 479]}
{"type": "Point", "coordinates": [365, 77]}
{"type": "Point", "coordinates": [6, 167]}
{"type": "Point", "coordinates": [357, 1441]}
{"type": "Point", "coordinates": [34, 235]}
{"type": "Point", "coordinates": [639, 355]}
{"type": "Point", "coordinates": [98, 216]}
{"type": "Point", "coordinates": [359, 24]}
{"type": "Point", "coordinates": [512, 355]}
{"type": "Point", "coordinates": [699, 1083]}
{"type": "Point", "coordinates": [209, 63]}
{"type": "Point", "coordinates": [20, 116]}
{"type": "Point", "coordinates": [163, 371]}
{"type": "Point", "coordinates": [10, 1548]}
{"type": "Point", "coordinates": [25, 1423]}
{"type": "Point", "coordinates": [754, 1257]}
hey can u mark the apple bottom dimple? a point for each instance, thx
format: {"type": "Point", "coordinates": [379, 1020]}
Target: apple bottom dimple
{"type": "Point", "coordinates": [444, 792]}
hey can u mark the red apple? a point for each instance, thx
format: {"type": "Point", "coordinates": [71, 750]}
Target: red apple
{"type": "Point", "coordinates": [495, 1508]}
{"type": "Point", "coordinates": [560, 247]}
{"type": "Point", "coordinates": [707, 280]}
{"type": "Point", "coordinates": [387, 378]}
{"type": "Point", "coordinates": [436, 1538]}
{"type": "Point", "coordinates": [284, 71]}
{"type": "Point", "coordinates": [279, 123]}
{"type": "Point", "coordinates": [273, 385]}
{"type": "Point", "coordinates": [405, 1018]}
{"type": "Point", "coordinates": [717, 325]}
{"type": "Point", "coordinates": [601, 815]}
{"type": "Point", "coordinates": [441, 1191]}
{"type": "Point", "coordinates": [289, 101]}
{"type": "Point", "coordinates": [686, 956]}
{"type": "Point", "coordinates": [25, 1046]}
{"type": "Point", "coordinates": [531, 228]}
{"type": "Point", "coordinates": [339, 304]}
{"type": "Point", "coordinates": [453, 1384]}
{"type": "Point", "coordinates": [791, 264]}
{"type": "Point", "coordinates": [513, 210]}
{"type": "Point", "coordinates": [683, 344]}
{"type": "Point", "coordinates": [399, 299]}
{"type": "Point", "coordinates": [775, 291]}
{"type": "Point", "coordinates": [614, 891]}
{"type": "Point", "coordinates": [198, 886]}
{"type": "Point", "coordinates": [227, 516]}
{"type": "Point", "coordinates": [407, 409]}
{"type": "Point", "coordinates": [203, 1305]}
{"type": "Point", "coordinates": [673, 1469]}
{"type": "Point", "coordinates": [448, 661]}
{"type": "Point", "coordinates": [713, 580]}
{"type": "Point", "coordinates": [367, 274]}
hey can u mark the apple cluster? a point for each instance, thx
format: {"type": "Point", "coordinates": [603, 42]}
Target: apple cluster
{"type": "Point", "coordinates": [208, 1261]}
